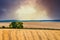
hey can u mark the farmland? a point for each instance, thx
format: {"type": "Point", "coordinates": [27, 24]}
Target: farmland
{"type": "Point", "coordinates": [29, 34]}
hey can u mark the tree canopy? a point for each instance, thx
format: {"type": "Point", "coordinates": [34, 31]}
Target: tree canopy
{"type": "Point", "coordinates": [16, 25]}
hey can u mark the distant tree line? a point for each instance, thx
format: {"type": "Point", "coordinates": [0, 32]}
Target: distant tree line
{"type": "Point", "coordinates": [15, 25]}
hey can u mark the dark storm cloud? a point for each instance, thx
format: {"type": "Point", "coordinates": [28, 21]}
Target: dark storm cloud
{"type": "Point", "coordinates": [53, 7]}
{"type": "Point", "coordinates": [7, 7]}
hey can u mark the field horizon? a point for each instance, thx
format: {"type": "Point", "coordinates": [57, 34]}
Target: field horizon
{"type": "Point", "coordinates": [35, 24]}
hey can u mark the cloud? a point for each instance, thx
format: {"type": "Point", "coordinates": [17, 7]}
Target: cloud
{"type": "Point", "coordinates": [53, 7]}
{"type": "Point", "coordinates": [8, 8]}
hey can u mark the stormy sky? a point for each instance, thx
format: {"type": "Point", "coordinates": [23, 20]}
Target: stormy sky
{"type": "Point", "coordinates": [9, 7]}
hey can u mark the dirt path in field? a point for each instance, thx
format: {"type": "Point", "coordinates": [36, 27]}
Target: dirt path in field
{"type": "Point", "coordinates": [29, 34]}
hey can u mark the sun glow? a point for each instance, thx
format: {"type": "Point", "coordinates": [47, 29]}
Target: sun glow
{"type": "Point", "coordinates": [26, 10]}
{"type": "Point", "coordinates": [29, 10]}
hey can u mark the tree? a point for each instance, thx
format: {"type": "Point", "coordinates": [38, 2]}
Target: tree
{"type": "Point", "coordinates": [3, 26]}
{"type": "Point", "coordinates": [16, 25]}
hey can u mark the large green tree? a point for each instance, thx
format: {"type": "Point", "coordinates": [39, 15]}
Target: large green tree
{"type": "Point", "coordinates": [16, 25]}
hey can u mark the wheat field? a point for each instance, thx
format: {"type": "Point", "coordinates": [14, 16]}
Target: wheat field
{"type": "Point", "coordinates": [29, 34]}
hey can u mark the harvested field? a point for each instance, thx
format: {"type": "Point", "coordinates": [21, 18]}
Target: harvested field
{"type": "Point", "coordinates": [29, 34]}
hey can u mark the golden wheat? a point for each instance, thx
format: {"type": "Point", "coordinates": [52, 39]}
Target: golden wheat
{"type": "Point", "coordinates": [29, 34]}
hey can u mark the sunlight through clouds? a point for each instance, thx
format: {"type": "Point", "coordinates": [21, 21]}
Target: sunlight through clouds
{"type": "Point", "coordinates": [29, 10]}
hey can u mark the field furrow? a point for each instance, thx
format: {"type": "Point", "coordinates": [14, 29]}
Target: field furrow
{"type": "Point", "coordinates": [29, 34]}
